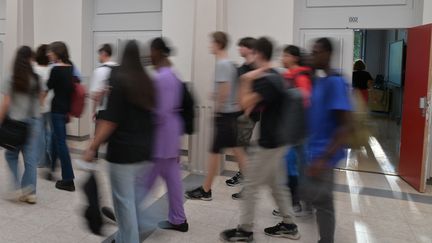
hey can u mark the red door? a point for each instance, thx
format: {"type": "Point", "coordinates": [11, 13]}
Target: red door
{"type": "Point", "coordinates": [412, 167]}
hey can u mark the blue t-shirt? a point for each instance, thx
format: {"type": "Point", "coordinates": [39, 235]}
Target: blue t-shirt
{"type": "Point", "coordinates": [329, 94]}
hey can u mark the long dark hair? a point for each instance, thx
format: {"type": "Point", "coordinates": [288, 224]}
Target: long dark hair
{"type": "Point", "coordinates": [61, 51]}
{"type": "Point", "coordinates": [23, 71]}
{"type": "Point", "coordinates": [138, 86]}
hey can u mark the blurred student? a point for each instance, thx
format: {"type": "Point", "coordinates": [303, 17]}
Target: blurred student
{"type": "Point", "coordinates": [227, 112]}
{"type": "Point", "coordinates": [296, 76]}
{"type": "Point", "coordinates": [246, 124]}
{"type": "Point", "coordinates": [42, 69]}
{"type": "Point", "coordinates": [128, 126]}
{"type": "Point", "coordinates": [169, 128]}
{"type": "Point", "coordinates": [264, 87]}
{"type": "Point", "coordinates": [329, 125]}
{"type": "Point", "coordinates": [21, 102]}
{"type": "Point", "coordinates": [362, 80]}
{"type": "Point", "coordinates": [61, 82]}
{"type": "Point", "coordinates": [99, 87]}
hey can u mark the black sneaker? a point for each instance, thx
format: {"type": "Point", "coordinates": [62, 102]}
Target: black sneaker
{"type": "Point", "coordinates": [234, 235]}
{"type": "Point", "coordinates": [109, 214]}
{"type": "Point", "coordinates": [283, 230]}
{"type": "Point", "coordinates": [184, 227]}
{"type": "Point", "coordinates": [65, 185]}
{"type": "Point", "coordinates": [199, 194]}
{"type": "Point", "coordinates": [238, 195]}
{"type": "Point", "coordinates": [236, 180]}
{"type": "Point", "coordinates": [276, 213]}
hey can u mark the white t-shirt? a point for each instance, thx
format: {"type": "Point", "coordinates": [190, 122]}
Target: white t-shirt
{"type": "Point", "coordinates": [99, 81]}
{"type": "Point", "coordinates": [44, 72]}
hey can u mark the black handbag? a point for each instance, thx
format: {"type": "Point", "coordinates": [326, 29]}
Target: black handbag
{"type": "Point", "coordinates": [13, 134]}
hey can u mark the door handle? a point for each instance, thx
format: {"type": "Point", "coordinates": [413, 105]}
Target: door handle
{"type": "Point", "coordinates": [423, 105]}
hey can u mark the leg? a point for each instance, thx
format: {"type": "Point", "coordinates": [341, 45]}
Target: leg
{"type": "Point", "coordinates": [171, 175]}
{"type": "Point", "coordinates": [325, 207]}
{"type": "Point", "coordinates": [59, 123]}
{"type": "Point", "coordinates": [42, 144]}
{"type": "Point", "coordinates": [241, 157]}
{"type": "Point", "coordinates": [275, 181]}
{"type": "Point", "coordinates": [123, 194]}
{"type": "Point", "coordinates": [12, 161]}
{"type": "Point", "coordinates": [48, 138]}
{"type": "Point", "coordinates": [31, 154]}
{"type": "Point", "coordinates": [255, 174]}
{"type": "Point", "coordinates": [213, 166]}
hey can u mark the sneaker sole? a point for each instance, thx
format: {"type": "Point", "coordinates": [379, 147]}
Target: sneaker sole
{"type": "Point", "coordinates": [286, 236]}
{"type": "Point", "coordinates": [233, 185]}
{"type": "Point", "coordinates": [202, 198]}
{"type": "Point", "coordinates": [239, 240]}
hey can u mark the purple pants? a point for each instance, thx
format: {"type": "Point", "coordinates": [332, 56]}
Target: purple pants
{"type": "Point", "coordinates": [169, 170]}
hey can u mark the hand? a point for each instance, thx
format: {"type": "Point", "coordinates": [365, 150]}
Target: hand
{"type": "Point", "coordinates": [317, 168]}
{"type": "Point", "coordinates": [89, 155]}
{"type": "Point", "coordinates": [94, 116]}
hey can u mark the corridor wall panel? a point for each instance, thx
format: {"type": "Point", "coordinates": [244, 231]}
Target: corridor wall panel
{"type": "Point", "coordinates": [129, 6]}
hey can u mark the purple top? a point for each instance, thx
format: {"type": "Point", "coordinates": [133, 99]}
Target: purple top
{"type": "Point", "coordinates": [169, 124]}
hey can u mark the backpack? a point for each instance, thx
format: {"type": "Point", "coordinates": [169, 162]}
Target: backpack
{"type": "Point", "coordinates": [77, 99]}
{"type": "Point", "coordinates": [187, 110]}
{"type": "Point", "coordinates": [292, 124]}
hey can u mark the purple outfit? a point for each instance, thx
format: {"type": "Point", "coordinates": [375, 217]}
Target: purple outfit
{"type": "Point", "coordinates": [169, 128]}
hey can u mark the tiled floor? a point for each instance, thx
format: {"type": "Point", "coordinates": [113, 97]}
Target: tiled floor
{"type": "Point", "coordinates": [361, 217]}
{"type": "Point", "coordinates": [382, 153]}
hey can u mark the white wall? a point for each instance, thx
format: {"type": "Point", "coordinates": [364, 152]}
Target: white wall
{"type": "Point", "coordinates": [384, 14]}
{"type": "Point", "coordinates": [59, 20]}
{"type": "Point", "coordinates": [427, 12]}
{"type": "Point", "coordinates": [178, 26]}
{"type": "Point", "coordinates": [256, 18]}
{"type": "Point", "coordinates": [2, 35]}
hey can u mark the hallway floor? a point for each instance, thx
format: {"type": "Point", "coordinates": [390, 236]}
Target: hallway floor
{"type": "Point", "coordinates": [369, 208]}
{"type": "Point", "coordinates": [382, 153]}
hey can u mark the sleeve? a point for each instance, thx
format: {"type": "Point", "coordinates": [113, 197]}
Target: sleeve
{"type": "Point", "coordinates": [304, 83]}
{"type": "Point", "coordinates": [76, 72]}
{"type": "Point", "coordinates": [369, 76]}
{"type": "Point", "coordinates": [267, 90]}
{"type": "Point", "coordinates": [338, 98]}
{"type": "Point", "coordinates": [115, 106]}
{"type": "Point", "coordinates": [98, 80]}
{"type": "Point", "coordinates": [223, 72]}
{"type": "Point", "coordinates": [6, 87]}
{"type": "Point", "coordinates": [51, 79]}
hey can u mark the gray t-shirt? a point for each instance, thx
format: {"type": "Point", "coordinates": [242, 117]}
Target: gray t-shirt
{"type": "Point", "coordinates": [227, 72]}
{"type": "Point", "coordinates": [22, 105]}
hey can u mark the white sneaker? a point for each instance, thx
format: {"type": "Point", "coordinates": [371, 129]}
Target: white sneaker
{"type": "Point", "coordinates": [30, 199]}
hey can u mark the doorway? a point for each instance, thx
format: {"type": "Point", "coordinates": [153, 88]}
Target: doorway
{"type": "Point", "coordinates": [383, 52]}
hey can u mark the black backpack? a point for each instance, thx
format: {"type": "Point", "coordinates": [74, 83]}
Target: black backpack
{"type": "Point", "coordinates": [292, 124]}
{"type": "Point", "coordinates": [188, 110]}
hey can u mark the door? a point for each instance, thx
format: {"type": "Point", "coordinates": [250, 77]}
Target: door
{"type": "Point", "coordinates": [343, 45]}
{"type": "Point", "coordinates": [414, 139]}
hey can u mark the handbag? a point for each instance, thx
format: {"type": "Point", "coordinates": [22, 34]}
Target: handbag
{"type": "Point", "coordinates": [14, 133]}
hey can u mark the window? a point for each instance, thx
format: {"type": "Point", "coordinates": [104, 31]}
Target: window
{"type": "Point", "coordinates": [359, 37]}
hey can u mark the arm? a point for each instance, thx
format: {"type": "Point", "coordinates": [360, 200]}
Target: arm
{"type": "Point", "coordinates": [338, 140]}
{"type": "Point", "coordinates": [4, 107]}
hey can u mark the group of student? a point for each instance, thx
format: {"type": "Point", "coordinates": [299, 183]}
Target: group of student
{"type": "Point", "coordinates": [255, 92]}
{"type": "Point", "coordinates": [38, 92]}
{"type": "Point", "coordinates": [138, 115]}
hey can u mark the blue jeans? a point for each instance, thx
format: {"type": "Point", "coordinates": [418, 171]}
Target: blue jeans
{"type": "Point", "coordinates": [60, 147]}
{"type": "Point", "coordinates": [127, 194]}
{"type": "Point", "coordinates": [46, 141]}
{"type": "Point", "coordinates": [31, 157]}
